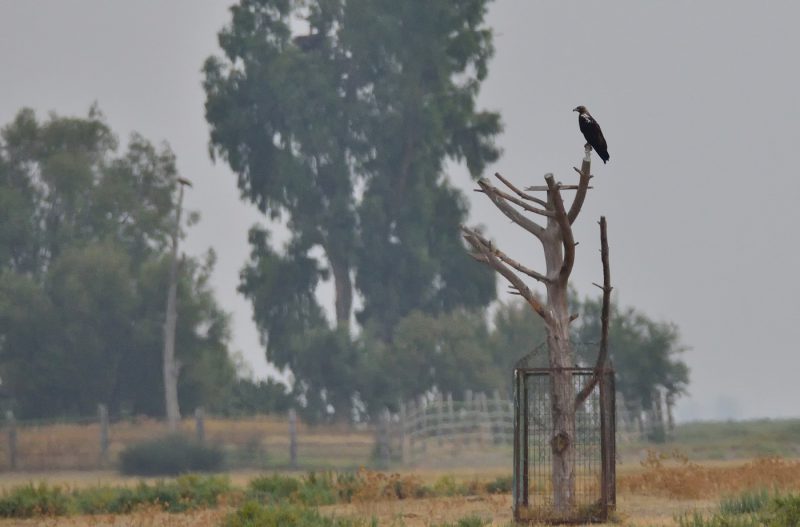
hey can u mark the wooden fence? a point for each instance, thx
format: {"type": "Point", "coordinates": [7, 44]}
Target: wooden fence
{"type": "Point", "coordinates": [443, 431]}
{"type": "Point", "coordinates": [474, 430]}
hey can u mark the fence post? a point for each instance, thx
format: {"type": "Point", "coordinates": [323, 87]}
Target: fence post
{"type": "Point", "coordinates": [292, 438]}
{"type": "Point", "coordinates": [422, 411]}
{"type": "Point", "coordinates": [485, 425]}
{"type": "Point", "coordinates": [438, 405]}
{"type": "Point", "coordinates": [467, 423]}
{"type": "Point", "coordinates": [200, 423]}
{"type": "Point", "coordinates": [102, 414]}
{"type": "Point", "coordinates": [11, 423]}
{"type": "Point", "coordinates": [497, 418]}
{"type": "Point", "coordinates": [402, 425]}
{"type": "Point", "coordinates": [412, 416]}
{"type": "Point", "coordinates": [384, 450]}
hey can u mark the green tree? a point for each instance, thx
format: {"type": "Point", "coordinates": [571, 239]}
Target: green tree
{"type": "Point", "coordinates": [280, 115]}
{"type": "Point", "coordinates": [83, 253]}
{"type": "Point", "coordinates": [445, 353]}
{"type": "Point", "coordinates": [344, 133]}
{"type": "Point", "coordinates": [645, 353]}
{"type": "Point", "coordinates": [421, 64]}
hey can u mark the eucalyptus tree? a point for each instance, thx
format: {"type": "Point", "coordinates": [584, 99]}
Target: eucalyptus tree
{"type": "Point", "coordinates": [83, 267]}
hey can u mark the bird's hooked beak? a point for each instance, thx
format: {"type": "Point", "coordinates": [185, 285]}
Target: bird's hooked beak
{"type": "Point", "coordinates": [576, 109]}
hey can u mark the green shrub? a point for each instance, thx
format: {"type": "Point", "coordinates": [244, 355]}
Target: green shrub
{"type": "Point", "coordinates": [785, 511]}
{"type": "Point", "coordinates": [469, 521]}
{"type": "Point", "coordinates": [104, 500]}
{"type": "Point", "coordinates": [34, 500]}
{"type": "Point", "coordinates": [745, 503]}
{"type": "Point", "coordinates": [273, 489]}
{"type": "Point", "coordinates": [170, 455]}
{"type": "Point", "coordinates": [252, 514]}
{"type": "Point", "coordinates": [318, 489]}
{"type": "Point", "coordinates": [501, 485]}
{"type": "Point", "coordinates": [448, 486]}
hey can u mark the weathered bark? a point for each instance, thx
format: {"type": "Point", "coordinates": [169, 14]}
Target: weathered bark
{"type": "Point", "coordinates": [559, 250]}
{"type": "Point", "coordinates": [171, 367]}
{"type": "Point", "coordinates": [343, 288]}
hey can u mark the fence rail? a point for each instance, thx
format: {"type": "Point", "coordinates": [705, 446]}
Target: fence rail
{"type": "Point", "coordinates": [475, 430]}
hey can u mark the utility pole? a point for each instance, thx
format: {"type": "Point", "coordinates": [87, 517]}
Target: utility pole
{"type": "Point", "coordinates": [171, 366]}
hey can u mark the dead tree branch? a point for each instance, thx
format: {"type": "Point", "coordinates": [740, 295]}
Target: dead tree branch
{"type": "Point", "coordinates": [512, 213]}
{"type": "Point", "coordinates": [520, 193]}
{"type": "Point", "coordinates": [504, 257]}
{"type": "Point", "coordinates": [602, 356]}
{"type": "Point", "coordinates": [583, 186]}
{"type": "Point", "coordinates": [487, 256]}
{"type": "Point", "coordinates": [554, 195]}
{"type": "Point", "coordinates": [518, 202]}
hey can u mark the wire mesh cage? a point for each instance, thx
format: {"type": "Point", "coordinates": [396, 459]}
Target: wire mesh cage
{"type": "Point", "coordinates": [590, 456]}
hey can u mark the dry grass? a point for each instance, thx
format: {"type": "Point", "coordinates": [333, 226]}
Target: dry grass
{"type": "Point", "coordinates": [674, 476]}
{"type": "Point", "coordinates": [77, 446]}
{"type": "Point", "coordinates": [650, 495]}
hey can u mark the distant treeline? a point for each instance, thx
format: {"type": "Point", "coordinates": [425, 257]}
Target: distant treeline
{"type": "Point", "coordinates": [343, 135]}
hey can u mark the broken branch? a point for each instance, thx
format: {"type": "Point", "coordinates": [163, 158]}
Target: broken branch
{"type": "Point", "coordinates": [602, 356]}
{"type": "Point", "coordinates": [518, 192]}
{"type": "Point", "coordinates": [504, 270]}
{"type": "Point", "coordinates": [567, 237]}
{"type": "Point", "coordinates": [505, 258]}
{"type": "Point", "coordinates": [512, 213]}
{"type": "Point", "coordinates": [583, 186]}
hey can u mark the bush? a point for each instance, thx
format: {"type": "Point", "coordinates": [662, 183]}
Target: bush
{"type": "Point", "coordinates": [34, 500]}
{"type": "Point", "coordinates": [501, 485]}
{"type": "Point", "coordinates": [170, 455]}
{"type": "Point", "coordinates": [253, 514]}
{"type": "Point", "coordinates": [273, 489]}
{"type": "Point", "coordinates": [469, 521]}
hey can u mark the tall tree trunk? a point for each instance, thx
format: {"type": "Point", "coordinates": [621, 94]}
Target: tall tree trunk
{"type": "Point", "coordinates": [558, 243]}
{"type": "Point", "coordinates": [562, 388]}
{"type": "Point", "coordinates": [171, 368]}
{"type": "Point", "coordinates": [343, 287]}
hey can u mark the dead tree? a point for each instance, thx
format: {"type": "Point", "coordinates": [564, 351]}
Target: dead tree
{"type": "Point", "coordinates": [559, 244]}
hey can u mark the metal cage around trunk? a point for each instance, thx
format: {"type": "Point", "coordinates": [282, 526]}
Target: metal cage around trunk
{"type": "Point", "coordinates": [593, 453]}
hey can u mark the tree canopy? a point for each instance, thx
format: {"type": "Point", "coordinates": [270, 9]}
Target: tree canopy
{"type": "Point", "coordinates": [83, 270]}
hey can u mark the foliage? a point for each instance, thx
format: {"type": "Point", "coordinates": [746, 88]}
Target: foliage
{"type": "Point", "coordinates": [33, 500]}
{"type": "Point", "coordinates": [501, 485]}
{"type": "Point", "coordinates": [252, 514]}
{"type": "Point", "coordinates": [745, 503]}
{"type": "Point", "coordinates": [469, 521]}
{"type": "Point", "coordinates": [644, 352]}
{"type": "Point", "coordinates": [445, 353]}
{"type": "Point", "coordinates": [84, 233]}
{"type": "Point", "coordinates": [174, 454]}
{"type": "Point", "coordinates": [247, 396]}
{"type": "Point", "coordinates": [749, 510]}
{"type": "Point", "coordinates": [181, 494]}
{"type": "Point", "coordinates": [343, 134]}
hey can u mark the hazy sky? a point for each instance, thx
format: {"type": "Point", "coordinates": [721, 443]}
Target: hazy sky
{"type": "Point", "coordinates": [698, 102]}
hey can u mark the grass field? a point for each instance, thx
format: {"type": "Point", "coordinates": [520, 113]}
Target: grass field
{"type": "Point", "coordinates": [652, 494]}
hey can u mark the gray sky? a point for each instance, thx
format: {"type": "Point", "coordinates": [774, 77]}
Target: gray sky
{"type": "Point", "coordinates": [697, 102]}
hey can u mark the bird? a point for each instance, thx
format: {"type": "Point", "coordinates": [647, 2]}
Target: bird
{"type": "Point", "coordinates": [592, 132]}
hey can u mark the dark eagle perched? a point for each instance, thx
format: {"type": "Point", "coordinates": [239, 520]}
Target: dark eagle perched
{"type": "Point", "coordinates": [592, 132]}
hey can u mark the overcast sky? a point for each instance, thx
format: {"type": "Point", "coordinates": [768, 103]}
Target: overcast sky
{"type": "Point", "coordinates": [698, 102]}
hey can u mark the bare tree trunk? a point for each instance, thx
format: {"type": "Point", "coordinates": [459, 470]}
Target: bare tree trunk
{"type": "Point", "coordinates": [343, 286]}
{"type": "Point", "coordinates": [562, 388]}
{"type": "Point", "coordinates": [558, 243]}
{"type": "Point", "coordinates": [171, 367]}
